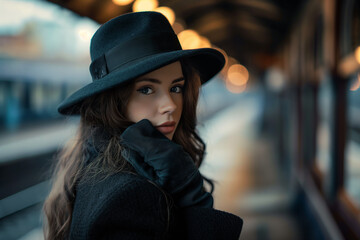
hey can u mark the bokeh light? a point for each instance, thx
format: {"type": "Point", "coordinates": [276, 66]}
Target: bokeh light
{"type": "Point", "coordinates": [189, 39]}
{"type": "Point", "coordinates": [237, 75]}
{"type": "Point", "coordinates": [234, 88]}
{"type": "Point", "coordinates": [85, 35]}
{"type": "Point", "coordinates": [357, 54]}
{"type": "Point", "coordinates": [204, 42]}
{"type": "Point", "coordinates": [145, 5]}
{"type": "Point", "coordinates": [122, 2]}
{"type": "Point", "coordinates": [168, 13]}
{"type": "Point", "coordinates": [178, 27]}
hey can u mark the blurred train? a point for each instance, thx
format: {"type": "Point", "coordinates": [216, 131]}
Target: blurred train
{"type": "Point", "coordinates": [316, 117]}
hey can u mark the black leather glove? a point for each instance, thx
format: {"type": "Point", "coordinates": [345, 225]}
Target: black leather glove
{"type": "Point", "coordinates": [165, 163]}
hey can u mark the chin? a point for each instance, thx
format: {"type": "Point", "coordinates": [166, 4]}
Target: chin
{"type": "Point", "coordinates": [169, 136]}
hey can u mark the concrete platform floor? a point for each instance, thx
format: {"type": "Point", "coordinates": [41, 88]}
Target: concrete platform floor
{"type": "Point", "coordinates": [248, 180]}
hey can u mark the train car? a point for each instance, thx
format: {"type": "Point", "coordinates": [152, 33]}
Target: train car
{"type": "Point", "coordinates": [321, 103]}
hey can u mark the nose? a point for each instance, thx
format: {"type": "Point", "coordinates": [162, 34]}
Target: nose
{"type": "Point", "coordinates": [167, 104]}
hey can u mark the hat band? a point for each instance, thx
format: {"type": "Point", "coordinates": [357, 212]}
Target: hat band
{"type": "Point", "coordinates": [132, 50]}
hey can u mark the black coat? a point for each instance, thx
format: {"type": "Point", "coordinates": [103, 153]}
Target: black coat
{"type": "Point", "coordinates": [127, 206]}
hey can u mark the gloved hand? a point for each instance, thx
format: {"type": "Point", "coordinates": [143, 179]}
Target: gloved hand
{"type": "Point", "coordinates": [165, 163]}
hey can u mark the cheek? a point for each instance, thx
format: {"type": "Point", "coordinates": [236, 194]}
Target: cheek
{"type": "Point", "coordinates": [179, 106]}
{"type": "Point", "coordinates": [138, 110]}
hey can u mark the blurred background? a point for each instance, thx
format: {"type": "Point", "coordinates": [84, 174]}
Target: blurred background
{"type": "Point", "coordinates": [281, 121]}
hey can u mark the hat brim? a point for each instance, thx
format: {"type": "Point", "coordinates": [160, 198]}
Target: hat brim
{"type": "Point", "coordinates": [206, 61]}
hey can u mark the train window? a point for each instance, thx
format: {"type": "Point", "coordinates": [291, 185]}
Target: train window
{"type": "Point", "coordinates": [355, 26]}
{"type": "Point", "coordinates": [352, 151]}
{"type": "Point", "coordinates": [37, 98]}
{"type": "Point", "coordinates": [2, 97]}
{"type": "Point", "coordinates": [350, 34]}
{"type": "Point", "coordinates": [13, 99]}
{"type": "Point", "coordinates": [2, 104]}
{"type": "Point", "coordinates": [325, 107]}
{"type": "Point", "coordinates": [318, 42]}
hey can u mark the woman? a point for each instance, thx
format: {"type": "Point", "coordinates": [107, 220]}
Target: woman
{"type": "Point", "coordinates": [132, 170]}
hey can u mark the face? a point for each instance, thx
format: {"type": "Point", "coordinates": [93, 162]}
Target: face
{"type": "Point", "coordinates": [158, 97]}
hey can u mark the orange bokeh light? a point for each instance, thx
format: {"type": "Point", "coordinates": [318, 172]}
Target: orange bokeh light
{"type": "Point", "coordinates": [357, 54]}
{"type": "Point", "coordinates": [178, 27]}
{"type": "Point", "coordinates": [234, 88]}
{"type": "Point", "coordinates": [168, 13]}
{"type": "Point", "coordinates": [145, 5]}
{"type": "Point", "coordinates": [189, 39]}
{"type": "Point", "coordinates": [204, 42]}
{"type": "Point", "coordinates": [122, 2]}
{"type": "Point", "coordinates": [238, 75]}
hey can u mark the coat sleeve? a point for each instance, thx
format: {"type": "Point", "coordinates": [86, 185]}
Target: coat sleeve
{"type": "Point", "coordinates": [210, 224]}
{"type": "Point", "coordinates": [126, 208]}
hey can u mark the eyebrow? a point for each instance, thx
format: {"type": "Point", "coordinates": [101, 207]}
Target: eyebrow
{"type": "Point", "coordinates": [153, 80]}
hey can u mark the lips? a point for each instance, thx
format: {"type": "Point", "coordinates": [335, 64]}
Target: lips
{"type": "Point", "coordinates": [166, 127]}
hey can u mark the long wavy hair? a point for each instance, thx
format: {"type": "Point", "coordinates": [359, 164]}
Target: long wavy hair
{"type": "Point", "coordinates": [106, 112]}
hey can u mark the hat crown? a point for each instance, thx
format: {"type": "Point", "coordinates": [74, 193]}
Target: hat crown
{"type": "Point", "coordinates": [124, 28]}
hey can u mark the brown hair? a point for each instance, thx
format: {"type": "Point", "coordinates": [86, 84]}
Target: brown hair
{"type": "Point", "coordinates": [106, 112]}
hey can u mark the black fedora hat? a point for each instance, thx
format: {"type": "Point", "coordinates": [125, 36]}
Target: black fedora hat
{"type": "Point", "coordinates": [132, 45]}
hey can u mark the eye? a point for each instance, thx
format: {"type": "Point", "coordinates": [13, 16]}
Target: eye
{"type": "Point", "coordinates": [177, 89]}
{"type": "Point", "coordinates": [145, 90]}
